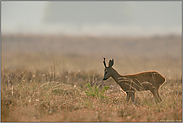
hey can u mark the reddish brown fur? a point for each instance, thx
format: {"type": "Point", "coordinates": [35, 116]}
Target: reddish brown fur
{"type": "Point", "coordinates": [143, 81]}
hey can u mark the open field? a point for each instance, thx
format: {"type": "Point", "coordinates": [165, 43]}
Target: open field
{"type": "Point", "coordinates": [44, 78]}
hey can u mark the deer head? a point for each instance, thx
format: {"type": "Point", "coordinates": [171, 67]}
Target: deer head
{"type": "Point", "coordinates": [107, 70]}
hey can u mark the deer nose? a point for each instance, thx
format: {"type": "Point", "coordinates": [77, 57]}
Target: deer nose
{"type": "Point", "coordinates": [104, 79]}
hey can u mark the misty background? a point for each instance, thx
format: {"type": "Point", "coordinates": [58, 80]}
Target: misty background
{"type": "Point", "coordinates": [76, 35]}
{"type": "Point", "coordinates": [98, 18]}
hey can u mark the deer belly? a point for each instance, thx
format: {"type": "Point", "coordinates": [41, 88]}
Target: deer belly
{"type": "Point", "coordinates": [126, 86]}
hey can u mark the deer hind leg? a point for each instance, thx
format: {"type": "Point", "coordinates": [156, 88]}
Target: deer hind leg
{"type": "Point", "coordinates": [149, 86]}
{"type": "Point", "coordinates": [159, 96]}
{"type": "Point", "coordinates": [156, 95]}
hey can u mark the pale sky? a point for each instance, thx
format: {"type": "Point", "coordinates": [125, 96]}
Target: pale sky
{"type": "Point", "coordinates": [92, 17]}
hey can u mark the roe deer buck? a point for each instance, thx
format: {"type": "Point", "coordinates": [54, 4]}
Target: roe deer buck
{"type": "Point", "coordinates": [149, 80]}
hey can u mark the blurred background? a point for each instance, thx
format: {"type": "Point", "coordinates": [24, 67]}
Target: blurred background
{"type": "Point", "coordinates": [76, 35]}
{"type": "Point", "coordinates": [106, 18]}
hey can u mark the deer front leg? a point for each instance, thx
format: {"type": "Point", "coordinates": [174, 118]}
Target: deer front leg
{"type": "Point", "coordinates": [130, 95]}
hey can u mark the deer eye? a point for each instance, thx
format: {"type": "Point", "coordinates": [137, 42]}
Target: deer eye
{"type": "Point", "coordinates": [106, 72]}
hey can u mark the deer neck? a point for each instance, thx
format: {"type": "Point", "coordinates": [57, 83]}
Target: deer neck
{"type": "Point", "coordinates": [115, 75]}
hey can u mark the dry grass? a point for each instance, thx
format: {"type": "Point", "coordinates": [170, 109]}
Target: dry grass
{"type": "Point", "coordinates": [40, 86]}
{"type": "Point", "coordinates": [30, 96]}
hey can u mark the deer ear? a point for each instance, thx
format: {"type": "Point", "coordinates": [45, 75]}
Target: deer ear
{"type": "Point", "coordinates": [111, 62]}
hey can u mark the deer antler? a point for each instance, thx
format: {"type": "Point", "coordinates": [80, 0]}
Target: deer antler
{"type": "Point", "coordinates": [104, 63]}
